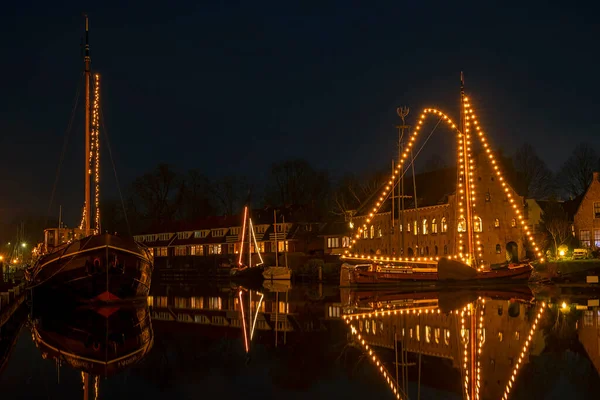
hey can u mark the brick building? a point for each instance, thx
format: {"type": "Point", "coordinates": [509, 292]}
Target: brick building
{"type": "Point", "coordinates": [430, 227]}
{"type": "Point", "coordinates": [586, 220]}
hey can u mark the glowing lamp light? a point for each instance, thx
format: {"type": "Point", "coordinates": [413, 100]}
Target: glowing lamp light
{"type": "Point", "coordinates": [564, 305]}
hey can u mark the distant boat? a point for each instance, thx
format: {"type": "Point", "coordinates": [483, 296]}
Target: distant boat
{"type": "Point", "coordinates": [277, 272]}
{"type": "Point", "coordinates": [90, 266]}
{"type": "Point", "coordinates": [245, 269]}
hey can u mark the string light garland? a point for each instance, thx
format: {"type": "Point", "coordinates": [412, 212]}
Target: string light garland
{"type": "Point", "coordinates": [464, 192]}
{"type": "Point", "coordinates": [505, 187]}
{"type": "Point", "coordinates": [96, 148]}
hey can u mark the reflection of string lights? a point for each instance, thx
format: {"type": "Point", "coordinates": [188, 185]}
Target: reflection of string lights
{"type": "Point", "coordinates": [470, 338]}
{"type": "Point", "coordinates": [96, 148]}
{"type": "Point", "coordinates": [521, 358]}
{"type": "Point", "coordinates": [246, 344]}
{"type": "Point", "coordinates": [262, 296]}
{"type": "Point", "coordinates": [465, 200]}
{"type": "Point", "coordinates": [375, 360]}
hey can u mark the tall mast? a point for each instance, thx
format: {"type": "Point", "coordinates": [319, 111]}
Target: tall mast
{"type": "Point", "coordinates": [402, 113]}
{"type": "Point", "coordinates": [88, 170]}
{"type": "Point", "coordinates": [466, 144]}
{"type": "Point", "coordinates": [276, 243]}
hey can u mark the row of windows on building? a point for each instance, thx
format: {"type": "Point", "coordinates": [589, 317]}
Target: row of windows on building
{"type": "Point", "coordinates": [211, 249]}
{"type": "Point", "coordinates": [220, 232]}
{"type": "Point", "coordinates": [424, 228]}
{"type": "Point", "coordinates": [585, 237]}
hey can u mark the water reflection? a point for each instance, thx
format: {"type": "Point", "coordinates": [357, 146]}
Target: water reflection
{"type": "Point", "coordinates": [99, 342]}
{"type": "Point", "coordinates": [471, 343]}
{"type": "Point", "coordinates": [225, 341]}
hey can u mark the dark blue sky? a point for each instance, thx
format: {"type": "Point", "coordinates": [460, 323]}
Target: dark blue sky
{"type": "Point", "coordinates": [230, 87]}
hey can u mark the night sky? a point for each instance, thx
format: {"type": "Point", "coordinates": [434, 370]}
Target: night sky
{"type": "Point", "coordinates": [230, 87]}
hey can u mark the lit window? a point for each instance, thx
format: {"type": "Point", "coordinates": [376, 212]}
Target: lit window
{"type": "Point", "coordinates": [425, 227]}
{"type": "Point", "coordinates": [415, 227]}
{"type": "Point", "coordinates": [345, 241]}
{"type": "Point", "coordinates": [436, 335]}
{"type": "Point", "coordinates": [597, 209]}
{"type": "Point", "coordinates": [180, 251]}
{"type": "Point", "coordinates": [477, 224]}
{"type": "Point", "coordinates": [427, 334]}
{"type": "Point", "coordinates": [496, 223]}
{"type": "Point", "coordinates": [379, 231]}
{"type": "Point", "coordinates": [462, 225]}
{"type": "Point", "coordinates": [444, 226]}
{"type": "Point", "coordinates": [584, 238]}
{"type": "Point", "coordinates": [597, 237]}
{"type": "Point", "coordinates": [447, 337]}
{"type": "Point", "coordinates": [513, 223]}
{"type": "Point", "coordinates": [372, 232]}
{"type": "Point", "coordinates": [498, 249]}
{"type": "Point", "coordinates": [434, 228]}
{"type": "Point", "coordinates": [333, 242]}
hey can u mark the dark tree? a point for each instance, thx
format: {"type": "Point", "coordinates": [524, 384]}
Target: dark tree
{"type": "Point", "coordinates": [195, 200]}
{"type": "Point", "coordinates": [296, 182]}
{"type": "Point", "coordinates": [229, 193]}
{"type": "Point", "coordinates": [156, 195]}
{"type": "Point", "coordinates": [555, 223]}
{"type": "Point", "coordinates": [352, 192]}
{"type": "Point", "coordinates": [576, 173]}
{"type": "Point", "coordinates": [535, 178]}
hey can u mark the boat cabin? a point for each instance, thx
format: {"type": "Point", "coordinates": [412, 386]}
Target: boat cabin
{"type": "Point", "coordinates": [55, 237]}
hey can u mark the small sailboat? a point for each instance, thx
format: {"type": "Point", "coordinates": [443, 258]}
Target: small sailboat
{"type": "Point", "coordinates": [242, 270]}
{"type": "Point", "coordinates": [277, 272]}
{"type": "Point", "coordinates": [85, 265]}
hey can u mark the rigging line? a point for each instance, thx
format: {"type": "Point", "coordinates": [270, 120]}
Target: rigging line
{"type": "Point", "coordinates": [404, 171]}
{"type": "Point", "coordinates": [64, 148]}
{"type": "Point", "coordinates": [112, 161]}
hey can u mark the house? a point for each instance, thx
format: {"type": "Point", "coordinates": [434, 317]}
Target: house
{"type": "Point", "coordinates": [586, 219]}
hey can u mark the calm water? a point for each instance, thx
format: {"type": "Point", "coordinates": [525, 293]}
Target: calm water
{"type": "Point", "coordinates": [310, 342]}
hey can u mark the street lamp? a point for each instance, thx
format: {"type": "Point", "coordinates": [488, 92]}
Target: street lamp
{"type": "Point", "coordinates": [23, 245]}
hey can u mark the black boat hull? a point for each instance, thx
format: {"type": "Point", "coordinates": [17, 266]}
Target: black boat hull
{"type": "Point", "coordinates": [101, 268]}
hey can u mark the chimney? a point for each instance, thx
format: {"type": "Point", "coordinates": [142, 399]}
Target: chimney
{"type": "Point", "coordinates": [596, 176]}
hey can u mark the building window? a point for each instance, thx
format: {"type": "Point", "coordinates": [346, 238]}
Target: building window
{"type": "Point", "coordinates": [182, 235]}
{"type": "Point", "coordinates": [444, 226]}
{"type": "Point", "coordinates": [496, 223]}
{"type": "Point", "coordinates": [282, 246]}
{"type": "Point", "coordinates": [345, 241]}
{"type": "Point", "coordinates": [365, 233]}
{"type": "Point", "coordinates": [488, 196]}
{"type": "Point", "coordinates": [161, 252]}
{"type": "Point", "coordinates": [597, 209]}
{"type": "Point", "coordinates": [408, 227]}
{"type": "Point", "coordinates": [200, 234]}
{"type": "Point", "coordinates": [445, 249]}
{"type": "Point", "coordinates": [584, 238]}
{"type": "Point", "coordinates": [596, 237]}
{"type": "Point", "coordinates": [498, 249]}
{"type": "Point", "coordinates": [164, 236]}
{"type": "Point", "coordinates": [513, 223]}
{"type": "Point", "coordinates": [379, 231]}
{"type": "Point", "coordinates": [588, 318]}
{"type": "Point", "coordinates": [333, 243]}
{"type": "Point", "coordinates": [425, 227]}
{"type": "Point", "coordinates": [197, 250]}
{"type": "Point", "coordinates": [462, 225]}
{"type": "Point", "coordinates": [426, 250]}
{"type": "Point", "coordinates": [436, 250]}
{"type": "Point", "coordinates": [218, 232]}
{"type": "Point", "coordinates": [372, 230]}
{"type": "Point", "coordinates": [235, 231]}
{"type": "Point", "coordinates": [415, 228]}
{"type": "Point", "coordinates": [263, 228]}
{"type": "Point", "coordinates": [214, 249]}
{"type": "Point", "coordinates": [477, 224]}
{"type": "Point", "coordinates": [433, 226]}
{"type": "Point", "coordinates": [180, 251]}
{"type": "Point", "coordinates": [260, 247]}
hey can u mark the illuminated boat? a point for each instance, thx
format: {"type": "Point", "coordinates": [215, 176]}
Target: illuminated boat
{"type": "Point", "coordinates": [444, 271]}
{"type": "Point", "coordinates": [100, 342]}
{"type": "Point", "coordinates": [84, 264]}
{"type": "Point", "coordinates": [248, 271]}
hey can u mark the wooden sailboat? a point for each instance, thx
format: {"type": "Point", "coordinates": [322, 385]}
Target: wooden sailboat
{"type": "Point", "coordinates": [276, 272]}
{"type": "Point", "coordinates": [88, 265]}
{"type": "Point", "coordinates": [431, 270]}
{"type": "Point", "coordinates": [243, 270]}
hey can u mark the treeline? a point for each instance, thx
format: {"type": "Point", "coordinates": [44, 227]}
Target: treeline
{"type": "Point", "coordinates": [164, 195]}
